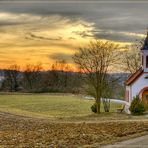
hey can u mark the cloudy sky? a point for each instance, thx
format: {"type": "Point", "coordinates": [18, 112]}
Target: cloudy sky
{"type": "Point", "coordinates": [45, 31]}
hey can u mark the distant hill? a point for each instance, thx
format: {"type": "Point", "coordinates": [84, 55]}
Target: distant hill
{"type": "Point", "coordinates": [122, 77]}
{"type": "Point", "coordinates": [1, 73]}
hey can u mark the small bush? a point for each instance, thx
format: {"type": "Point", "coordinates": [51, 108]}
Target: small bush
{"type": "Point", "coordinates": [137, 106]}
{"type": "Point", "coordinates": [94, 108]}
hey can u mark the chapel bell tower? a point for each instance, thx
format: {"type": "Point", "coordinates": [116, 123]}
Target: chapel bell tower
{"type": "Point", "coordinates": [145, 54]}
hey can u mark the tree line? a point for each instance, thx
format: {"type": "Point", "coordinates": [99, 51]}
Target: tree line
{"type": "Point", "coordinates": [59, 79]}
{"type": "Point", "coordinates": [34, 79]}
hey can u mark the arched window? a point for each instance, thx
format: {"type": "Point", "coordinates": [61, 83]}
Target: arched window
{"type": "Point", "coordinates": [147, 61]}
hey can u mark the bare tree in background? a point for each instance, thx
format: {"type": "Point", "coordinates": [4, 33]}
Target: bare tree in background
{"type": "Point", "coordinates": [96, 61]}
{"type": "Point", "coordinates": [11, 81]}
{"type": "Point", "coordinates": [32, 76]}
{"type": "Point", "coordinates": [132, 57]}
{"type": "Point", "coordinates": [60, 76]}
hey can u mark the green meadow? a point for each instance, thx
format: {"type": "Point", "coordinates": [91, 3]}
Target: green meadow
{"type": "Point", "coordinates": [45, 105]}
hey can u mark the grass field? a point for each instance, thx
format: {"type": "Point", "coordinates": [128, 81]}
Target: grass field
{"type": "Point", "coordinates": [44, 105]}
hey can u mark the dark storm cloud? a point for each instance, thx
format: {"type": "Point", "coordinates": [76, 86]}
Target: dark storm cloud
{"type": "Point", "coordinates": [33, 36]}
{"type": "Point", "coordinates": [116, 36]}
{"type": "Point", "coordinates": [41, 8]}
{"type": "Point", "coordinates": [126, 17]}
{"type": "Point", "coordinates": [7, 23]}
{"type": "Point", "coordinates": [83, 34]}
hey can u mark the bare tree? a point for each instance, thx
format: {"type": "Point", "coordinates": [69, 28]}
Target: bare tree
{"type": "Point", "coordinates": [132, 57]}
{"type": "Point", "coordinates": [96, 61]}
{"type": "Point", "coordinates": [32, 76]}
{"type": "Point", "coordinates": [59, 75]}
{"type": "Point", "coordinates": [12, 78]}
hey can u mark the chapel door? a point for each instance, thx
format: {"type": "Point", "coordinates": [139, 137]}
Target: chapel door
{"type": "Point", "coordinates": [145, 98]}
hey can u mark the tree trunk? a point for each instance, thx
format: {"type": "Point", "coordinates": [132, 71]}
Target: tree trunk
{"type": "Point", "coordinates": [98, 101]}
{"type": "Point", "coordinates": [106, 104]}
{"type": "Point", "coordinates": [98, 104]}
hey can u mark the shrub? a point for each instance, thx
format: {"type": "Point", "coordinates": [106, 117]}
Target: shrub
{"type": "Point", "coordinates": [94, 108]}
{"type": "Point", "coordinates": [137, 106]}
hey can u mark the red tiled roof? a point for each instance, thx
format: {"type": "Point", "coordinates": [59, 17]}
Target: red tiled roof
{"type": "Point", "coordinates": [134, 76]}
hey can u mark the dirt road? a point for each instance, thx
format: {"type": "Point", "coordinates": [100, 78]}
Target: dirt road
{"type": "Point", "coordinates": [140, 142]}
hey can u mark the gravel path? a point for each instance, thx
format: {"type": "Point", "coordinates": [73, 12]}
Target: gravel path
{"type": "Point", "coordinates": [140, 142]}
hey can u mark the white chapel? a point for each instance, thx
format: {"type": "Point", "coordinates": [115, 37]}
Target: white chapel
{"type": "Point", "coordinates": [137, 83]}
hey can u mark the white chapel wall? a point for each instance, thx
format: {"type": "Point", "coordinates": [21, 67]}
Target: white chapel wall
{"type": "Point", "coordinates": [138, 85]}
